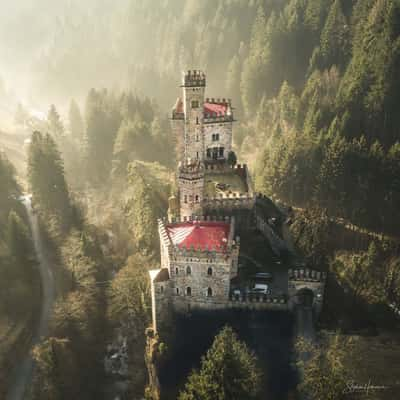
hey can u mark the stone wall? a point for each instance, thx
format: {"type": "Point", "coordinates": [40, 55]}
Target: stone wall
{"type": "Point", "coordinates": [160, 303]}
{"type": "Point", "coordinates": [305, 278]}
{"type": "Point", "coordinates": [191, 190]}
{"type": "Point", "coordinates": [178, 132]}
{"type": "Point", "coordinates": [194, 141]}
{"type": "Point", "coordinates": [224, 130]}
{"type": "Point", "coordinates": [277, 244]}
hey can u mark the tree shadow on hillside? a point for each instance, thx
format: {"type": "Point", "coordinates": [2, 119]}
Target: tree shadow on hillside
{"type": "Point", "coordinates": [268, 334]}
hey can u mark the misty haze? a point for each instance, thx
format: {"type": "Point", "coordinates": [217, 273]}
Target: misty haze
{"type": "Point", "coordinates": [199, 199]}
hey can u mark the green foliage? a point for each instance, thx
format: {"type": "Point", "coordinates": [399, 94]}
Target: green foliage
{"type": "Point", "coordinates": [146, 202]}
{"type": "Point", "coordinates": [102, 123]}
{"type": "Point", "coordinates": [133, 141]}
{"type": "Point", "coordinates": [76, 124]}
{"type": "Point", "coordinates": [46, 179]}
{"type": "Point", "coordinates": [232, 159]}
{"type": "Point", "coordinates": [228, 371]}
{"type": "Point", "coordinates": [129, 294]}
{"type": "Point", "coordinates": [56, 371]}
{"type": "Point", "coordinates": [9, 187]}
{"type": "Point", "coordinates": [371, 276]}
{"type": "Point", "coordinates": [18, 283]}
{"type": "Point", "coordinates": [56, 127]}
{"type": "Point", "coordinates": [311, 232]}
{"type": "Point", "coordinates": [78, 321]}
{"type": "Point", "coordinates": [334, 45]}
{"type": "Point", "coordinates": [322, 369]}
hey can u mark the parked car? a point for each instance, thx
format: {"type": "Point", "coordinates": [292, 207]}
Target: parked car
{"type": "Point", "coordinates": [236, 292]}
{"type": "Point", "coordinates": [259, 288]}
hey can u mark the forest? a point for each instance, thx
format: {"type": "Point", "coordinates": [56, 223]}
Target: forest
{"type": "Point", "coordinates": [315, 86]}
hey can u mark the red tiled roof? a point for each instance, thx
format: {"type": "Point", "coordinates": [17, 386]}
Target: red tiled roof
{"type": "Point", "coordinates": [209, 108]}
{"type": "Point", "coordinates": [219, 108]}
{"type": "Point", "coordinates": [203, 235]}
{"type": "Point", "coordinates": [178, 107]}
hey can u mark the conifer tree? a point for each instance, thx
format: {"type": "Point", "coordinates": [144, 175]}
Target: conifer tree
{"type": "Point", "coordinates": [46, 177]}
{"type": "Point", "coordinates": [56, 127]}
{"type": "Point", "coordinates": [76, 125]}
{"type": "Point", "coordinates": [228, 371]}
{"type": "Point", "coordinates": [335, 38]}
{"type": "Point", "coordinates": [20, 247]}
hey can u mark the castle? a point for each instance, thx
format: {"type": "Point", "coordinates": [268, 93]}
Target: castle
{"type": "Point", "coordinates": [199, 241]}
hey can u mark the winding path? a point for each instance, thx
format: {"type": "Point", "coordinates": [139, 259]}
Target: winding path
{"type": "Point", "coordinates": [23, 373]}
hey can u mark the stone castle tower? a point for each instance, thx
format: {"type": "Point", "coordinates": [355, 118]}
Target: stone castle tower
{"type": "Point", "coordinates": [203, 134]}
{"type": "Point", "coordinates": [191, 188]}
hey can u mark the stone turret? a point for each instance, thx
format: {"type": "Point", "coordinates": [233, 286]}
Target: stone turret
{"type": "Point", "coordinates": [191, 188]}
{"type": "Point", "coordinates": [194, 84]}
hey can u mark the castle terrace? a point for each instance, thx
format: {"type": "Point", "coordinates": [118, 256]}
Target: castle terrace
{"type": "Point", "coordinates": [222, 183]}
{"type": "Point", "coordinates": [204, 235]}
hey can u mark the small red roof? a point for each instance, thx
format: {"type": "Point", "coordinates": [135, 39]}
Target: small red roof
{"type": "Point", "coordinates": [219, 108]}
{"type": "Point", "coordinates": [178, 107]}
{"type": "Point", "coordinates": [205, 235]}
{"type": "Point", "coordinates": [209, 108]}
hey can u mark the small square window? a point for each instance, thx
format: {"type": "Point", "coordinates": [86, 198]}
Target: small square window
{"type": "Point", "coordinates": [195, 104]}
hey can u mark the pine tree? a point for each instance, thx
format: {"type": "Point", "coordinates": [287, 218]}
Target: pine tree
{"type": "Point", "coordinates": [20, 247]}
{"type": "Point", "coordinates": [335, 38]}
{"type": "Point", "coordinates": [228, 372]}
{"type": "Point", "coordinates": [76, 125]}
{"type": "Point", "coordinates": [102, 123]}
{"type": "Point", "coordinates": [9, 188]}
{"type": "Point", "coordinates": [56, 127]}
{"type": "Point", "coordinates": [323, 370]}
{"type": "Point", "coordinates": [46, 177]}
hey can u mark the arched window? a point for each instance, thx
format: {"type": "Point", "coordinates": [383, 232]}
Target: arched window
{"type": "Point", "coordinates": [188, 291]}
{"type": "Point", "coordinates": [209, 292]}
{"type": "Point", "coordinates": [197, 198]}
{"type": "Point", "coordinates": [176, 271]}
{"type": "Point", "coordinates": [177, 291]}
{"type": "Point", "coordinates": [209, 271]}
{"type": "Point", "coordinates": [188, 270]}
{"type": "Point", "coordinates": [162, 289]}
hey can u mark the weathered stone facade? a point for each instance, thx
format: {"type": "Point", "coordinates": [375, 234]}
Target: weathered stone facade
{"type": "Point", "coordinates": [306, 280]}
{"type": "Point", "coordinates": [191, 188]}
{"type": "Point", "coordinates": [193, 278]}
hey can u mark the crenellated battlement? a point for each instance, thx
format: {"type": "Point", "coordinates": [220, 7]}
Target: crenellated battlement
{"type": "Point", "coordinates": [190, 170]}
{"type": "Point", "coordinates": [194, 78]}
{"type": "Point", "coordinates": [224, 101]}
{"type": "Point", "coordinates": [306, 275]}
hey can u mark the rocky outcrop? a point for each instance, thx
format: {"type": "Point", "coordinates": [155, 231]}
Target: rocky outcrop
{"type": "Point", "coordinates": [152, 363]}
